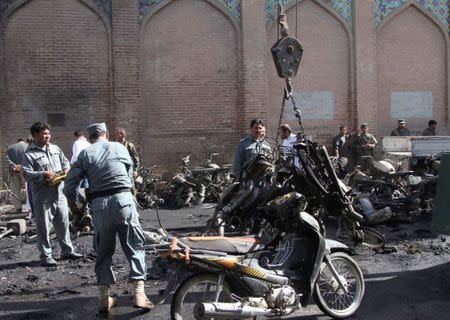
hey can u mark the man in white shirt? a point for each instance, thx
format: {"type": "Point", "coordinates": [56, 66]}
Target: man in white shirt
{"type": "Point", "coordinates": [289, 140]}
{"type": "Point", "coordinates": [80, 144]}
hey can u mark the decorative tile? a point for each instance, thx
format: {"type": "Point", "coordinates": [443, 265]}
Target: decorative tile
{"type": "Point", "coordinates": [343, 7]}
{"type": "Point", "coordinates": [437, 8]}
{"type": "Point", "coordinates": [106, 7]}
{"type": "Point", "coordinates": [4, 4]}
{"type": "Point", "coordinates": [234, 6]}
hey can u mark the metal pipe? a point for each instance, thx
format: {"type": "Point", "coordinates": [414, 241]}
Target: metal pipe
{"type": "Point", "coordinates": [224, 310]}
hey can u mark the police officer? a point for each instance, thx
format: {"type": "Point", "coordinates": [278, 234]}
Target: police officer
{"type": "Point", "coordinates": [249, 147]}
{"type": "Point", "coordinates": [401, 130]}
{"type": "Point", "coordinates": [365, 144]}
{"type": "Point", "coordinates": [14, 159]}
{"type": "Point", "coordinates": [108, 168]}
{"type": "Point", "coordinates": [40, 166]}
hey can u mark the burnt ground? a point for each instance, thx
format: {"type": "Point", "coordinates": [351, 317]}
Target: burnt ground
{"type": "Point", "coordinates": [411, 283]}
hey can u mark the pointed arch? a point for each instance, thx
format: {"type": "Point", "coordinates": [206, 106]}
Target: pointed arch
{"type": "Point", "coordinates": [331, 87]}
{"type": "Point", "coordinates": [397, 81]}
{"type": "Point", "coordinates": [74, 74]}
{"type": "Point", "coordinates": [216, 4]}
{"type": "Point", "coordinates": [413, 3]}
{"type": "Point", "coordinates": [326, 5]}
{"type": "Point", "coordinates": [89, 3]}
{"type": "Point", "coordinates": [189, 79]}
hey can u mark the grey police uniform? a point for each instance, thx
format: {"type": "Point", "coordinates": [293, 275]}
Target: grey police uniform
{"type": "Point", "coordinates": [14, 157]}
{"type": "Point", "coordinates": [245, 150]}
{"type": "Point", "coordinates": [49, 202]}
{"type": "Point", "coordinates": [108, 168]}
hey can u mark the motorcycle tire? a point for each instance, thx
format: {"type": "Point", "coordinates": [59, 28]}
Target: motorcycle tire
{"type": "Point", "coordinates": [371, 238]}
{"type": "Point", "coordinates": [198, 288]}
{"type": "Point", "coordinates": [329, 297]}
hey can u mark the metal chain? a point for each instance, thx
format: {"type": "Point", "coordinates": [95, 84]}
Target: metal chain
{"type": "Point", "coordinates": [298, 114]}
{"type": "Point", "coordinates": [280, 121]}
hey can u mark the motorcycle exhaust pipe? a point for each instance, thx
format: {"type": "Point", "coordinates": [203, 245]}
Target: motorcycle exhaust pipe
{"type": "Point", "coordinates": [228, 310]}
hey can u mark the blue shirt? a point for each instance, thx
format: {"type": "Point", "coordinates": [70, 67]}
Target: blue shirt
{"type": "Point", "coordinates": [107, 165]}
{"type": "Point", "coordinates": [245, 151]}
{"type": "Point", "coordinates": [35, 161]}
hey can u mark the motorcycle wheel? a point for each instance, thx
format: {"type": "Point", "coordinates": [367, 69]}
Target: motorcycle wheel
{"type": "Point", "coordinates": [371, 238]}
{"type": "Point", "coordinates": [198, 288]}
{"type": "Point", "coordinates": [332, 300]}
{"type": "Point", "coordinates": [360, 235]}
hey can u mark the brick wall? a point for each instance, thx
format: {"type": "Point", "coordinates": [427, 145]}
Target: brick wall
{"type": "Point", "coordinates": [56, 61]}
{"type": "Point", "coordinates": [189, 83]}
{"type": "Point", "coordinates": [188, 78]}
{"type": "Point", "coordinates": [411, 56]}
{"type": "Point", "coordinates": [325, 66]}
{"type": "Point", "coordinates": [365, 37]}
{"type": "Point", "coordinates": [125, 48]}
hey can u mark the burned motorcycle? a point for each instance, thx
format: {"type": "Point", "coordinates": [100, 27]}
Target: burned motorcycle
{"type": "Point", "coordinates": [236, 208]}
{"type": "Point", "coordinates": [184, 189]}
{"type": "Point", "coordinates": [80, 214]}
{"type": "Point", "coordinates": [404, 192]}
{"type": "Point", "coordinates": [328, 196]}
{"type": "Point", "coordinates": [268, 277]}
{"type": "Point", "coordinates": [215, 178]}
{"type": "Point", "coordinates": [145, 185]}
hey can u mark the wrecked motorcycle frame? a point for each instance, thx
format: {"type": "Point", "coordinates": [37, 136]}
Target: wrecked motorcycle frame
{"type": "Point", "coordinates": [271, 277]}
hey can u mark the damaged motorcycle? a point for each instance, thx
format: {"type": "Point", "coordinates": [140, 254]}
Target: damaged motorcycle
{"type": "Point", "coordinates": [145, 184]}
{"type": "Point", "coordinates": [215, 178]}
{"type": "Point", "coordinates": [184, 190]}
{"type": "Point", "coordinates": [270, 276]}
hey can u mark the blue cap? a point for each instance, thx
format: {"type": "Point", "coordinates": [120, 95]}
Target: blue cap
{"type": "Point", "coordinates": [96, 128]}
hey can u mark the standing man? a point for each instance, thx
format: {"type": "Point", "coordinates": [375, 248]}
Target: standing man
{"type": "Point", "coordinates": [80, 143]}
{"type": "Point", "coordinates": [121, 137]}
{"type": "Point", "coordinates": [108, 167]}
{"type": "Point", "coordinates": [289, 140]}
{"type": "Point", "coordinates": [340, 145]}
{"type": "Point", "coordinates": [341, 148]}
{"type": "Point", "coordinates": [431, 130]}
{"type": "Point", "coordinates": [365, 143]}
{"type": "Point", "coordinates": [14, 160]}
{"type": "Point", "coordinates": [249, 147]}
{"type": "Point", "coordinates": [401, 130]}
{"type": "Point", "coordinates": [41, 164]}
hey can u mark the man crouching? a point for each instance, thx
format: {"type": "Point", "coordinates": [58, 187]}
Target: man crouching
{"type": "Point", "coordinates": [108, 168]}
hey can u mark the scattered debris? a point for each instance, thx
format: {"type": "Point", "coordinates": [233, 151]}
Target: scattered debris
{"type": "Point", "coordinates": [412, 249]}
{"type": "Point", "coordinates": [32, 278]}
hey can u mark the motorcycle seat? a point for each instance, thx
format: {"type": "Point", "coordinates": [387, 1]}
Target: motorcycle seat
{"type": "Point", "coordinates": [232, 245]}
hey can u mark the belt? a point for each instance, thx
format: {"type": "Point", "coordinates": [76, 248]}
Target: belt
{"type": "Point", "coordinates": [105, 193]}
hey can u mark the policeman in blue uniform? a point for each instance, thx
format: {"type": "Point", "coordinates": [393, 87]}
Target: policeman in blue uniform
{"type": "Point", "coordinates": [41, 164]}
{"type": "Point", "coordinates": [108, 168]}
{"type": "Point", "coordinates": [250, 147]}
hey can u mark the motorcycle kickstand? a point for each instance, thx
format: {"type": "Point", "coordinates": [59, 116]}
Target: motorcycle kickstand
{"type": "Point", "coordinates": [219, 287]}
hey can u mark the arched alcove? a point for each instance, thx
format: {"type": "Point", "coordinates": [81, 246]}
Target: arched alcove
{"type": "Point", "coordinates": [323, 85]}
{"type": "Point", "coordinates": [189, 82]}
{"type": "Point", "coordinates": [412, 74]}
{"type": "Point", "coordinates": [57, 68]}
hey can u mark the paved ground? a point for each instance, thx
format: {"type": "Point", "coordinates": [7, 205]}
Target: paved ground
{"type": "Point", "coordinates": [412, 283]}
